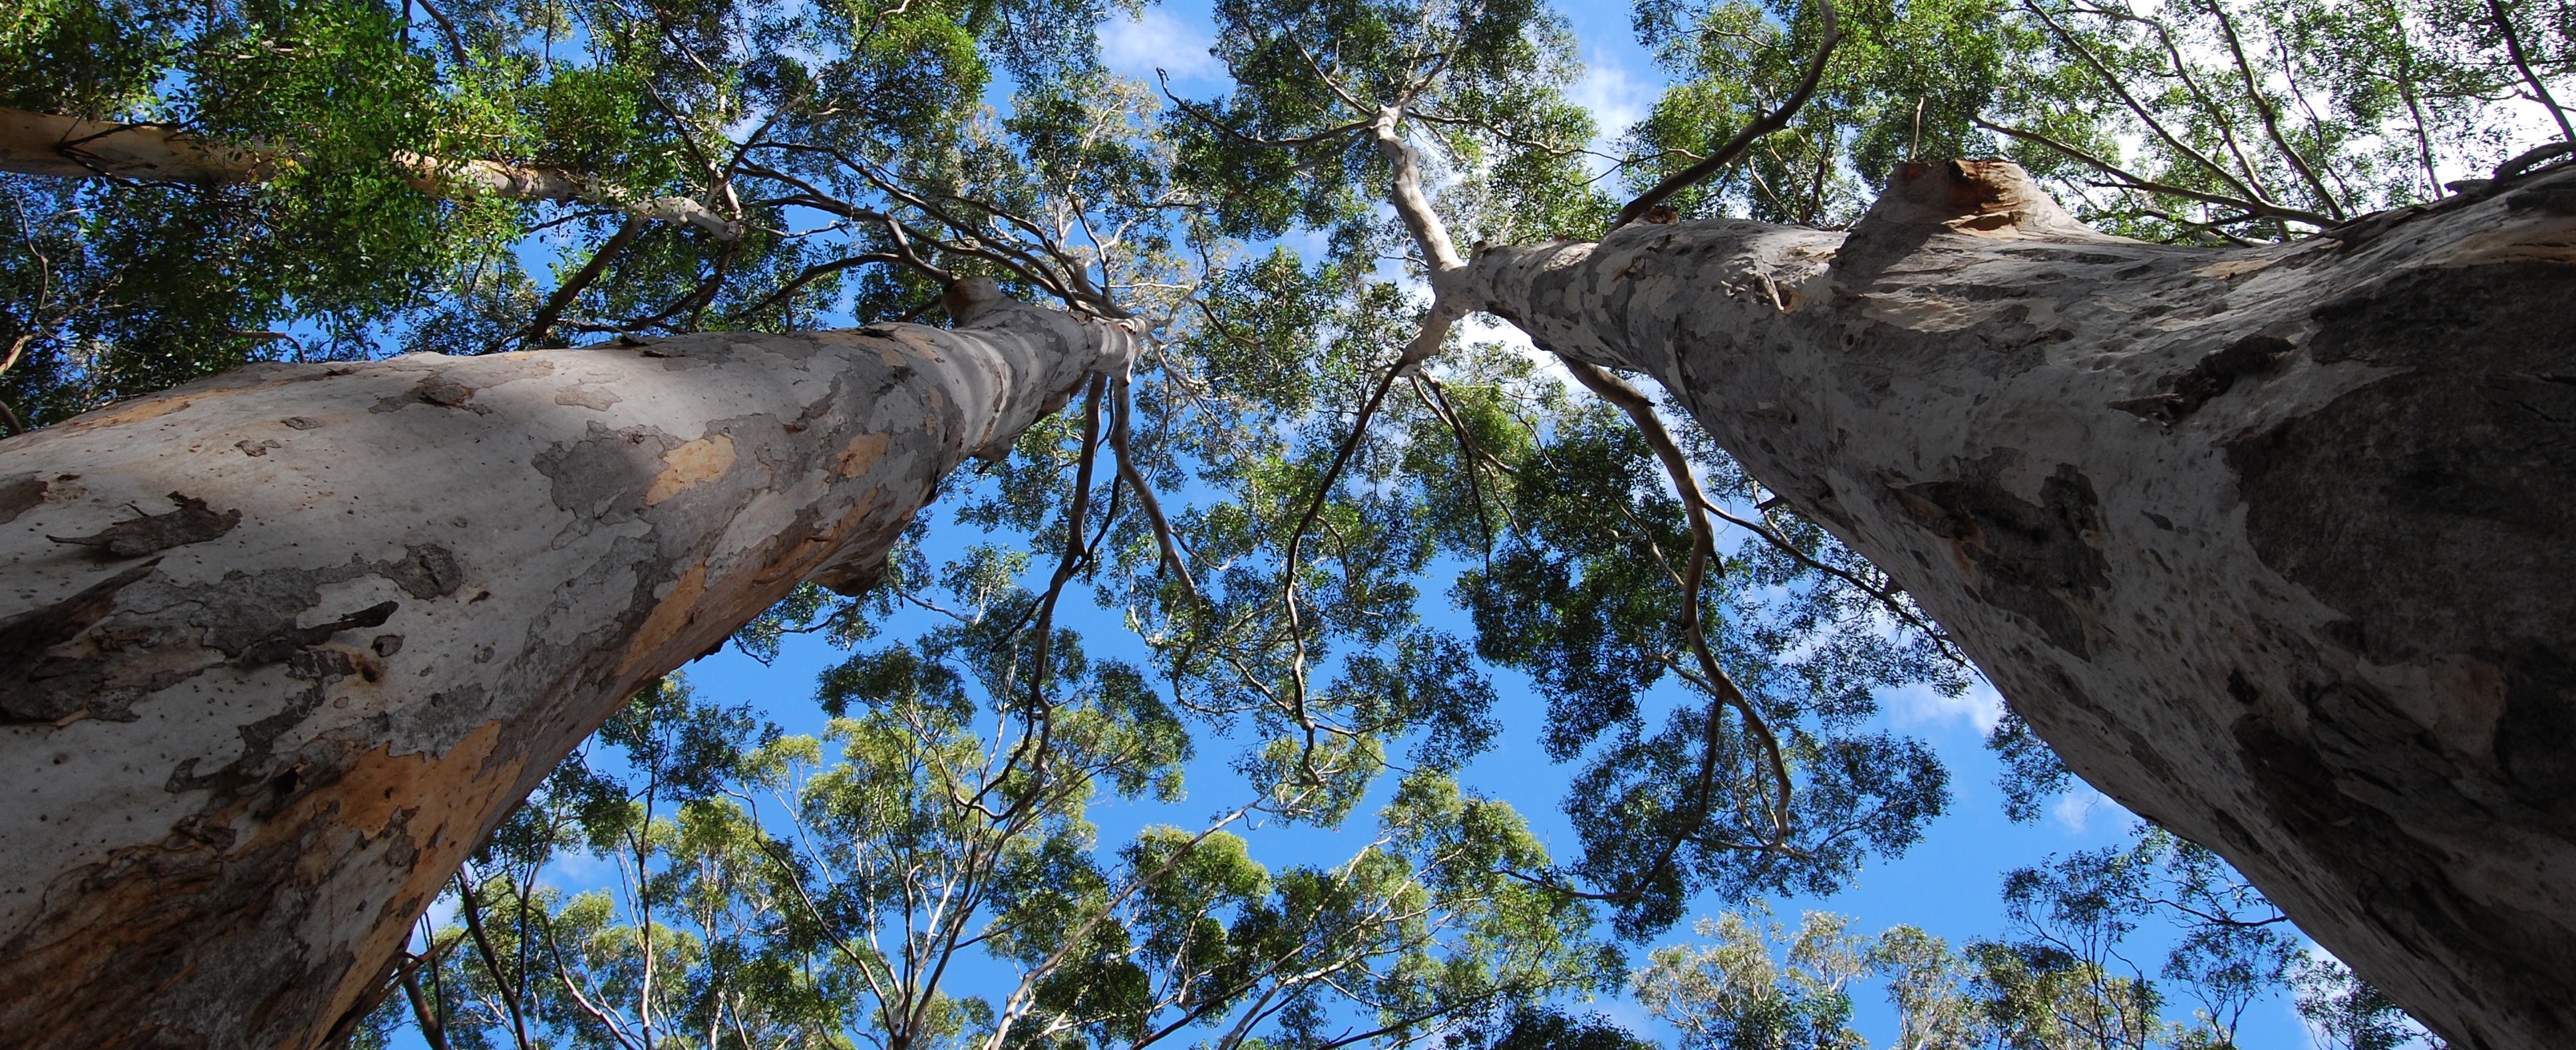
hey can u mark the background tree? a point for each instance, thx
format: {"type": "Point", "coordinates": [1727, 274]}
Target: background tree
{"type": "Point", "coordinates": [2064, 977]}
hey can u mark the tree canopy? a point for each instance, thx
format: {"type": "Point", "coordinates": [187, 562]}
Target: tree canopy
{"type": "Point", "coordinates": [1306, 459]}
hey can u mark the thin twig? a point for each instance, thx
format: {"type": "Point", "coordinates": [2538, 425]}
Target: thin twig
{"type": "Point", "coordinates": [1296, 541]}
{"type": "Point", "coordinates": [1075, 552]}
{"type": "Point", "coordinates": [2263, 208]}
{"type": "Point", "coordinates": [2271, 120]}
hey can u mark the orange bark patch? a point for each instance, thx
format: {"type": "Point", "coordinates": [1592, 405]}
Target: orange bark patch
{"type": "Point", "coordinates": [450, 798]}
{"type": "Point", "coordinates": [705, 459]}
{"type": "Point", "coordinates": [671, 615]}
{"type": "Point", "coordinates": [348, 850]}
{"type": "Point", "coordinates": [2551, 238]}
{"type": "Point", "coordinates": [131, 412]}
{"type": "Point", "coordinates": [2237, 267]}
{"type": "Point", "coordinates": [860, 454]}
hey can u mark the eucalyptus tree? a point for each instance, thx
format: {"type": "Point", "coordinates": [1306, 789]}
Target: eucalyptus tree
{"type": "Point", "coordinates": [2248, 532]}
{"type": "Point", "coordinates": [2214, 519]}
{"type": "Point", "coordinates": [656, 493]}
{"type": "Point", "coordinates": [2069, 974]}
{"type": "Point", "coordinates": [767, 895]}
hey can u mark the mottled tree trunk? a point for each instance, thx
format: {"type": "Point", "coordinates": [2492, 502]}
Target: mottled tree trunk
{"type": "Point", "coordinates": [280, 647]}
{"type": "Point", "coordinates": [2276, 545]}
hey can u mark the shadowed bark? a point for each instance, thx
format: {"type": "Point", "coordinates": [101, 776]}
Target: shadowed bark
{"type": "Point", "coordinates": [278, 648]}
{"type": "Point", "coordinates": [2271, 544]}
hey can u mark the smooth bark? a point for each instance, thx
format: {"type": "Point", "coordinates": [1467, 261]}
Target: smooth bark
{"type": "Point", "coordinates": [2273, 545]}
{"type": "Point", "coordinates": [75, 147]}
{"type": "Point", "coordinates": [281, 646]}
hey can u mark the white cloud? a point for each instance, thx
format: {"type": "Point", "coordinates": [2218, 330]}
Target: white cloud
{"type": "Point", "coordinates": [1980, 706]}
{"type": "Point", "coordinates": [2076, 808]}
{"type": "Point", "coordinates": [1137, 45]}
{"type": "Point", "coordinates": [1616, 98]}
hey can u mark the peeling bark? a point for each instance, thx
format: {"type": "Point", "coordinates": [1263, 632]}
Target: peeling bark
{"type": "Point", "coordinates": [75, 147]}
{"type": "Point", "coordinates": [312, 629]}
{"type": "Point", "coordinates": [2271, 544]}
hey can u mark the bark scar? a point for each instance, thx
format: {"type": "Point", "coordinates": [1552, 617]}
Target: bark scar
{"type": "Point", "coordinates": [288, 643]}
{"type": "Point", "coordinates": [135, 537]}
{"type": "Point", "coordinates": [2182, 393]}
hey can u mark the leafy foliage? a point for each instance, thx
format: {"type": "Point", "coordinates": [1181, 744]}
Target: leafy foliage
{"type": "Point", "coordinates": [2215, 121]}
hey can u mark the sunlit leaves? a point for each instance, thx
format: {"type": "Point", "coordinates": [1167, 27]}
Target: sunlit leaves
{"type": "Point", "coordinates": [1904, 83]}
{"type": "Point", "coordinates": [1736, 992]}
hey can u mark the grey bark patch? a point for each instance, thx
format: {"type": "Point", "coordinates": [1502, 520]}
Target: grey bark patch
{"type": "Point", "coordinates": [25, 668]}
{"type": "Point", "coordinates": [243, 610]}
{"type": "Point", "coordinates": [135, 537]}
{"type": "Point", "coordinates": [441, 721]}
{"type": "Point", "coordinates": [2535, 738]}
{"type": "Point", "coordinates": [438, 389]}
{"type": "Point", "coordinates": [259, 745]}
{"type": "Point", "coordinates": [605, 474]}
{"type": "Point", "coordinates": [2432, 508]}
{"type": "Point", "coordinates": [2560, 199]}
{"type": "Point", "coordinates": [2182, 393]}
{"type": "Point", "coordinates": [426, 571]}
{"type": "Point", "coordinates": [18, 494]}
{"type": "Point", "coordinates": [445, 390]}
{"type": "Point", "coordinates": [321, 665]}
{"type": "Point", "coordinates": [2032, 559]}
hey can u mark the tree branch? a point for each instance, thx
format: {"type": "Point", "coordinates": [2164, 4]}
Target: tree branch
{"type": "Point", "coordinates": [74, 147]}
{"type": "Point", "coordinates": [1744, 137]}
{"type": "Point", "coordinates": [535, 333]}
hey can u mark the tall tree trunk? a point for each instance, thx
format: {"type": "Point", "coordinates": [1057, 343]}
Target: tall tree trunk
{"type": "Point", "coordinates": [2277, 546]}
{"type": "Point", "coordinates": [280, 647]}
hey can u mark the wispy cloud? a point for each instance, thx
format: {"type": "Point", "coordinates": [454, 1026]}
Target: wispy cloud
{"type": "Point", "coordinates": [2075, 809]}
{"type": "Point", "coordinates": [1615, 96]}
{"type": "Point", "coordinates": [1483, 328]}
{"type": "Point", "coordinates": [1137, 45]}
{"type": "Point", "coordinates": [1980, 706]}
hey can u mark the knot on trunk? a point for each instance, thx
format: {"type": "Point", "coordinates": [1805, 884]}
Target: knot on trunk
{"type": "Point", "coordinates": [1978, 198]}
{"type": "Point", "coordinates": [972, 298]}
{"type": "Point", "coordinates": [1988, 197]}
